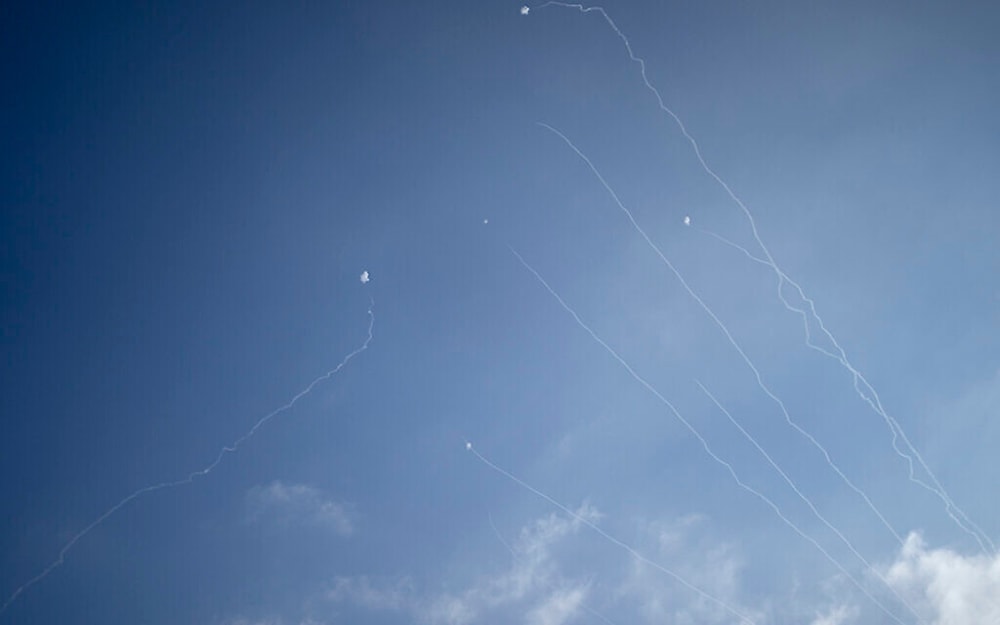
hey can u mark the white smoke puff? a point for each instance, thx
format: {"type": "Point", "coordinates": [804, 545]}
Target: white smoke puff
{"type": "Point", "coordinates": [364, 277]}
{"type": "Point", "coordinates": [525, 10]}
{"type": "Point", "coordinates": [687, 220]}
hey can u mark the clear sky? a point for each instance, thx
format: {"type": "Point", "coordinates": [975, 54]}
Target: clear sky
{"type": "Point", "coordinates": [190, 194]}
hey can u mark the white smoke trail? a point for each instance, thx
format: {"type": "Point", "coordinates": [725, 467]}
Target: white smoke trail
{"type": "Point", "coordinates": [895, 428]}
{"type": "Point", "coordinates": [630, 550]}
{"type": "Point", "coordinates": [228, 449]}
{"type": "Point", "coordinates": [871, 397]}
{"type": "Point", "coordinates": [725, 330]}
{"type": "Point", "coordinates": [806, 500]}
{"type": "Point", "coordinates": [704, 443]}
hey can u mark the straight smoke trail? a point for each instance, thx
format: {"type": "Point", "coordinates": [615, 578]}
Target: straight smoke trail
{"type": "Point", "coordinates": [704, 443]}
{"type": "Point", "coordinates": [228, 449]}
{"type": "Point", "coordinates": [867, 393]}
{"type": "Point", "coordinates": [515, 557]}
{"type": "Point", "coordinates": [791, 484]}
{"type": "Point", "coordinates": [896, 430]}
{"type": "Point", "coordinates": [725, 330]}
{"type": "Point", "coordinates": [630, 550]}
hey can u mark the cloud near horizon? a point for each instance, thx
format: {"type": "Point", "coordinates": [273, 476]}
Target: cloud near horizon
{"type": "Point", "coordinates": [531, 590]}
{"type": "Point", "coordinates": [947, 587]}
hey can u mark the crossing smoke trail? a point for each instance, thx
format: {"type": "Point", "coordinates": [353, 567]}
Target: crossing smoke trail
{"type": "Point", "coordinates": [732, 341]}
{"type": "Point", "coordinates": [704, 443]}
{"type": "Point", "coordinates": [635, 554]}
{"type": "Point", "coordinates": [870, 397]}
{"type": "Point", "coordinates": [228, 449]}
{"type": "Point", "coordinates": [895, 428]}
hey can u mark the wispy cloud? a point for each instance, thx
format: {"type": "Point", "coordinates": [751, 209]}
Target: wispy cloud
{"type": "Point", "coordinates": [271, 621]}
{"type": "Point", "coordinates": [531, 589]}
{"type": "Point", "coordinates": [711, 564]}
{"type": "Point", "coordinates": [298, 504]}
{"type": "Point", "coordinates": [559, 607]}
{"type": "Point", "coordinates": [536, 588]}
{"type": "Point", "coordinates": [839, 615]}
{"type": "Point", "coordinates": [378, 594]}
{"type": "Point", "coordinates": [447, 609]}
{"type": "Point", "coordinates": [672, 535]}
{"type": "Point", "coordinates": [248, 621]}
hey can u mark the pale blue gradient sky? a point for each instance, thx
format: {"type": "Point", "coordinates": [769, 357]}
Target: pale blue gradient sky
{"type": "Point", "coordinates": [189, 196]}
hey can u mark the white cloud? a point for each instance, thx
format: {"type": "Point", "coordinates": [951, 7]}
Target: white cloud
{"type": "Point", "coordinates": [365, 277]}
{"type": "Point", "coordinates": [559, 607]}
{"type": "Point", "coordinates": [531, 588]}
{"type": "Point", "coordinates": [840, 615]}
{"type": "Point", "coordinates": [949, 588]}
{"type": "Point", "coordinates": [298, 504]}
{"type": "Point", "coordinates": [271, 621]}
{"type": "Point", "coordinates": [382, 595]}
{"type": "Point", "coordinates": [672, 535]}
{"type": "Point", "coordinates": [706, 563]}
{"type": "Point", "coordinates": [449, 610]}
{"type": "Point", "coordinates": [532, 579]}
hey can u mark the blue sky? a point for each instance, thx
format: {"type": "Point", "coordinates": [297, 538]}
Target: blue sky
{"type": "Point", "coordinates": [190, 194]}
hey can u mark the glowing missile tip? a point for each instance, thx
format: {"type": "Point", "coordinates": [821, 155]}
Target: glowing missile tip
{"type": "Point", "coordinates": [365, 277]}
{"type": "Point", "coordinates": [468, 445]}
{"type": "Point", "coordinates": [525, 10]}
{"type": "Point", "coordinates": [687, 220]}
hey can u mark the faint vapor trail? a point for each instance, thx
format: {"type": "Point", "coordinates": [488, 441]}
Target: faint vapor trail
{"type": "Point", "coordinates": [894, 427]}
{"type": "Point", "coordinates": [514, 558]}
{"type": "Point", "coordinates": [704, 443]}
{"type": "Point", "coordinates": [231, 448]}
{"type": "Point", "coordinates": [871, 398]}
{"type": "Point", "coordinates": [732, 341]}
{"type": "Point", "coordinates": [806, 500]}
{"type": "Point", "coordinates": [500, 537]}
{"type": "Point", "coordinates": [663, 106]}
{"type": "Point", "coordinates": [576, 517]}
